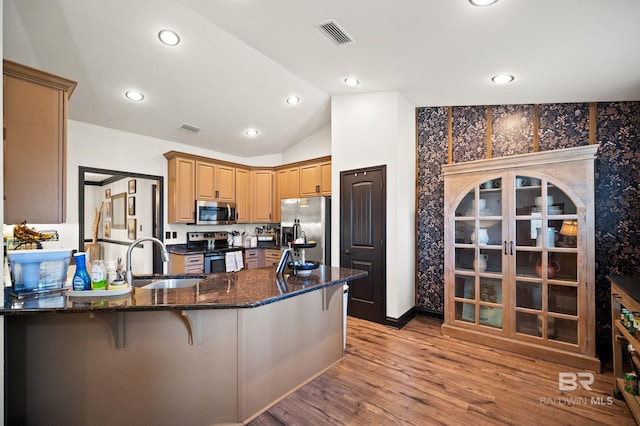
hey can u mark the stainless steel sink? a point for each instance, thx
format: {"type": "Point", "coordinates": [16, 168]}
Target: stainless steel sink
{"type": "Point", "coordinates": [172, 283]}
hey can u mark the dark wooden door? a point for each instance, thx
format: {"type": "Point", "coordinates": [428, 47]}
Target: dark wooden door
{"type": "Point", "coordinates": [362, 239]}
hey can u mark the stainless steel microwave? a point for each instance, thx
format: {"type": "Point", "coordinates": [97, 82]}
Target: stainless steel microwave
{"type": "Point", "coordinates": [215, 213]}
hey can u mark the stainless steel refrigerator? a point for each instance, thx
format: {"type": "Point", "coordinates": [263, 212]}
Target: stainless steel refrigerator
{"type": "Point", "coordinates": [314, 216]}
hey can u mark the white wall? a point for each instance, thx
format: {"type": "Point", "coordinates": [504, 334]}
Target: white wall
{"type": "Point", "coordinates": [314, 146]}
{"type": "Point", "coordinates": [379, 129]}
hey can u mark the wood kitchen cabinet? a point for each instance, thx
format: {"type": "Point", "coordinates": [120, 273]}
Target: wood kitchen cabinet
{"type": "Point", "coordinates": [257, 191]}
{"type": "Point", "coordinates": [186, 264]}
{"type": "Point", "coordinates": [519, 254]}
{"type": "Point", "coordinates": [215, 182]}
{"type": "Point", "coordinates": [270, 257]}
{"type": "Point", "coordinates": [243, 195]}
{"type": "Point", "coordinates": [35, 144]}
{"type": "Point", "coordinates": [315, 179]}
{"type": "Point", "coordinates": [262, 195]}
{"type": "Point", "coordinates": [287, 186]}
{"type": "Point", "coordinates": [181, 190]}
{"type": "Point", "coordinates": [252, 259]}
{"type": "Point", "coordinates": [625, 307]}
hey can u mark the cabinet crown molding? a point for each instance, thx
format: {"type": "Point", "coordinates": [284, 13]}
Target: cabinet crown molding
{"type": "Point", "coordinates": [554, 156]}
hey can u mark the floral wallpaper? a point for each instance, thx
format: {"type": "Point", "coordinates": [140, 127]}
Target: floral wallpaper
{"type": "Point", "coordinates": [432, 153]}
{"type": "Point", "coordinates": [562, 126]}
{"type": "Point", "coordinates": [469, 133]}
{"type": "Point", "coordinates": [511, 130]}
{"type": "Point", "coordinates": [559, 126]}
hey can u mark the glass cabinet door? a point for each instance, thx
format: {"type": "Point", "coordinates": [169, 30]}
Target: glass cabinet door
{"type": "Point", "coordinates": [478, 256]}
{"type": "Point", "coordinates": [545, 260]}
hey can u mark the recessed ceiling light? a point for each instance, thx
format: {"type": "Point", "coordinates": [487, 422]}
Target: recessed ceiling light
{"type": "Point", "coordinates": [351, 81]}
{"type": "Point", "coordinates": [482, 2]}
{"type": "Point", "coordinates": [134, 95]}
{"type": "Point", "coordinates": [502, 78]}
{"type": "Point", "coordinates": [252, 132]}
{"type": "Point", "coordinates": [292, 100]}
{"type": "Point", "coordinates": [169, 37]}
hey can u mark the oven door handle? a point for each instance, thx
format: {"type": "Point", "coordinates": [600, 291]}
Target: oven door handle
{"type": "Point", "coordinates": [215, 257]}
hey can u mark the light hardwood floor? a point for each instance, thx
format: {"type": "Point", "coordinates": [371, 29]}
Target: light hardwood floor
{"type": "Point", "coordinates": [416, 376]}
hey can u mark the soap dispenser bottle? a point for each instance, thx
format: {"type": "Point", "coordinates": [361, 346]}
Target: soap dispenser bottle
{"type": "Point", "coordinates": [81, 279]}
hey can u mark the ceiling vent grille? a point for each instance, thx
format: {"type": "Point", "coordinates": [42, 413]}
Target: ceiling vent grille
{"type": "Point", "coordinates": [332, 30]}
{"type": "Point", "coordinates": [189, 128]}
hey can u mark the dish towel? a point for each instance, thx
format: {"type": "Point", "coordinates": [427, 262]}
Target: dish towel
{"type": "Point", "coordinates": [233, 261]}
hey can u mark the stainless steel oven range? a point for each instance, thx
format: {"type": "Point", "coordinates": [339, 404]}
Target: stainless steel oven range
{"type": "Point", "coordinates": [215, 245]}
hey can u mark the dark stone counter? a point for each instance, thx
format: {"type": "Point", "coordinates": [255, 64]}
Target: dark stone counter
{"type": "Point", "coordinates": [232, 290]}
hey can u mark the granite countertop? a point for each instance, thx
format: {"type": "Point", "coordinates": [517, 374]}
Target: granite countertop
{"type": "Point", "coordinates": [231, 290]}
{"type": "Point", "coordinates": [629, 284]}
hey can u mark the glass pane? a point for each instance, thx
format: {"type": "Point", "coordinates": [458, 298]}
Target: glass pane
{"type": "Point", "coordinates": [465, 287]}
{"type": "Point", "coordinates": [526, 263]}
{"type": "Point", "coordinates": [493, 230]}
{"type": "Point", "coordinates": [490, 290]}
{"type": "Point", "coordinates": [523, 234]}
{"type": "Point", "coordinates": [491, 316]}
{"type": "Point", "coordinates": [463, 231]}
{"type": "Point", "coordinates": [568, 234]}
{"type": "Point", "coordinates": [465, 312]}
{"type": "Point", "coordinates": [529, 295]}
{"type": "Point", "coordinates": [464, 259]}
{"type": "Point", "coordinates": [493, 260]}
{"type": "Point", "coordinates": [566, 266]}
{"type": "Point", "coordinates": [525, 195]}
{"type": "Point", "coordinates": [528, 324]}
{"type": "Point", "coordinates": [492, 184]}
{"type": "Point", "coordinates": [544, 232]}
{"type": "Point", "coordinates": [465, 208]}
{"type": "Point", "coordinates": [552, 269]}
{"type": "Point", "coordinates": [563, 299]}
{"type": "Point", "coordinates": [562, 329]}
{"type": "Point", "coordinates": [562, 204]}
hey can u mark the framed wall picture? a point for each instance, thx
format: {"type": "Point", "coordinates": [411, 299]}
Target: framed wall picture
{"type": "Point", "coordinates": [132, 186]}
{"type": "Point", "coordinates": [118, 211]}
{"type": "Point", "coordinates": [132, 206]}
{"type": "Point", "coordinates": [131, 229]}
{"type": "Point", "coordinates": [107, 230]}
{"type": "Point", "coordinates": [107, 193]}
{"type": "Point", "coordinates": [107, 209]}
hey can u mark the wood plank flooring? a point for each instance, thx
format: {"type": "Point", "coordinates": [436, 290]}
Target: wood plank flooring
{"type": "Point", "coordinates": [416, 376]}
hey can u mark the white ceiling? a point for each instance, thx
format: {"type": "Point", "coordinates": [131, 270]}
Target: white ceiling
{"type": "Point", "coordinates": [238, 60]}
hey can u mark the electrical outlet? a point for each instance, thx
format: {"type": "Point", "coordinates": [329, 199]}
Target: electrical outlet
{"type": "Point", "coordinates": [167, 235]}
{"type": "Point", "coordinates": [175, 234]}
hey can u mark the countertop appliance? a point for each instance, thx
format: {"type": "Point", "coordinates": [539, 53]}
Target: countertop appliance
{"type": "Point", "coordinates": [311, 216]}
{"type": "Point", "coordinates": [215, 246]}
{"type": "Point", "coordinates": [267, 240]}
{"type": "Point", "coordinates": [215, 213]}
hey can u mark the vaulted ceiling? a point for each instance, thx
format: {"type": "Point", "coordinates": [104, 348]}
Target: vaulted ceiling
{"type": "Point", "coordinates": [238, 60]}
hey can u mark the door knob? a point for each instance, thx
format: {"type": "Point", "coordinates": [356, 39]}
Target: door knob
{"type": "Point", "coordinates": [347, 251]}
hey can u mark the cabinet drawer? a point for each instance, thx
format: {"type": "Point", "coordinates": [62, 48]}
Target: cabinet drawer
{"type": "Point", "coordinates": [194, 259]}
{"type": "Point", "coordinates": [249, 254]}
{"type": "Point", "coordinates": [194, 269]}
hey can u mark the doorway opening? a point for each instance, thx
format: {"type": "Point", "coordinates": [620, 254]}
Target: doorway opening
{"type": "Point", "coordinates": [142, 210]}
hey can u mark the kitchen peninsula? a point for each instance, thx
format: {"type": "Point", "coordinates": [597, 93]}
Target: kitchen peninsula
{"type": "Point", "coordinates": [220, 351]}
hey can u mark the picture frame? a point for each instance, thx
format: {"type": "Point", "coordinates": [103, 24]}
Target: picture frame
{"type": "Point", "coordinates": [132, 206]}
{"type": "Point", "coordinates": [107, 229]}
{"type": "Point", "coordinates": [119, 211]}
{"type": "Point", "coordinates": [131, 229]}
{"type": "Point", "coordinates": [107, 209]}
{"type": "Point", "coordinates": [107, 193]}
{"type": "Point", "coordinates": [132, 186]}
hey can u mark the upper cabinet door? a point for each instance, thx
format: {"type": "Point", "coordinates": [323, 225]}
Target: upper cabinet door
{"type": "Point", "coordinates": [35, 144]}
{"type": "Point", "coordinates": [205, 181]}
{"type": "Point", "coordinates": [225, 183]}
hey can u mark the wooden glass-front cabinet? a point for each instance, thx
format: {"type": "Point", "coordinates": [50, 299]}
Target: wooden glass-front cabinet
{"type": "Point", "coordinates": [519, 254]}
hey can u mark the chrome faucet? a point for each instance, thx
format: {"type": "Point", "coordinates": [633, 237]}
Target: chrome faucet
{"type": "Point", "coordinates": [165, 255]}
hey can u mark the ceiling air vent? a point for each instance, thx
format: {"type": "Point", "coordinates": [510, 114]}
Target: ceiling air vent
{"type": "Point", "coordinates": [332, 30]}
{"type": "Point", "coordinates": [189, 128]}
